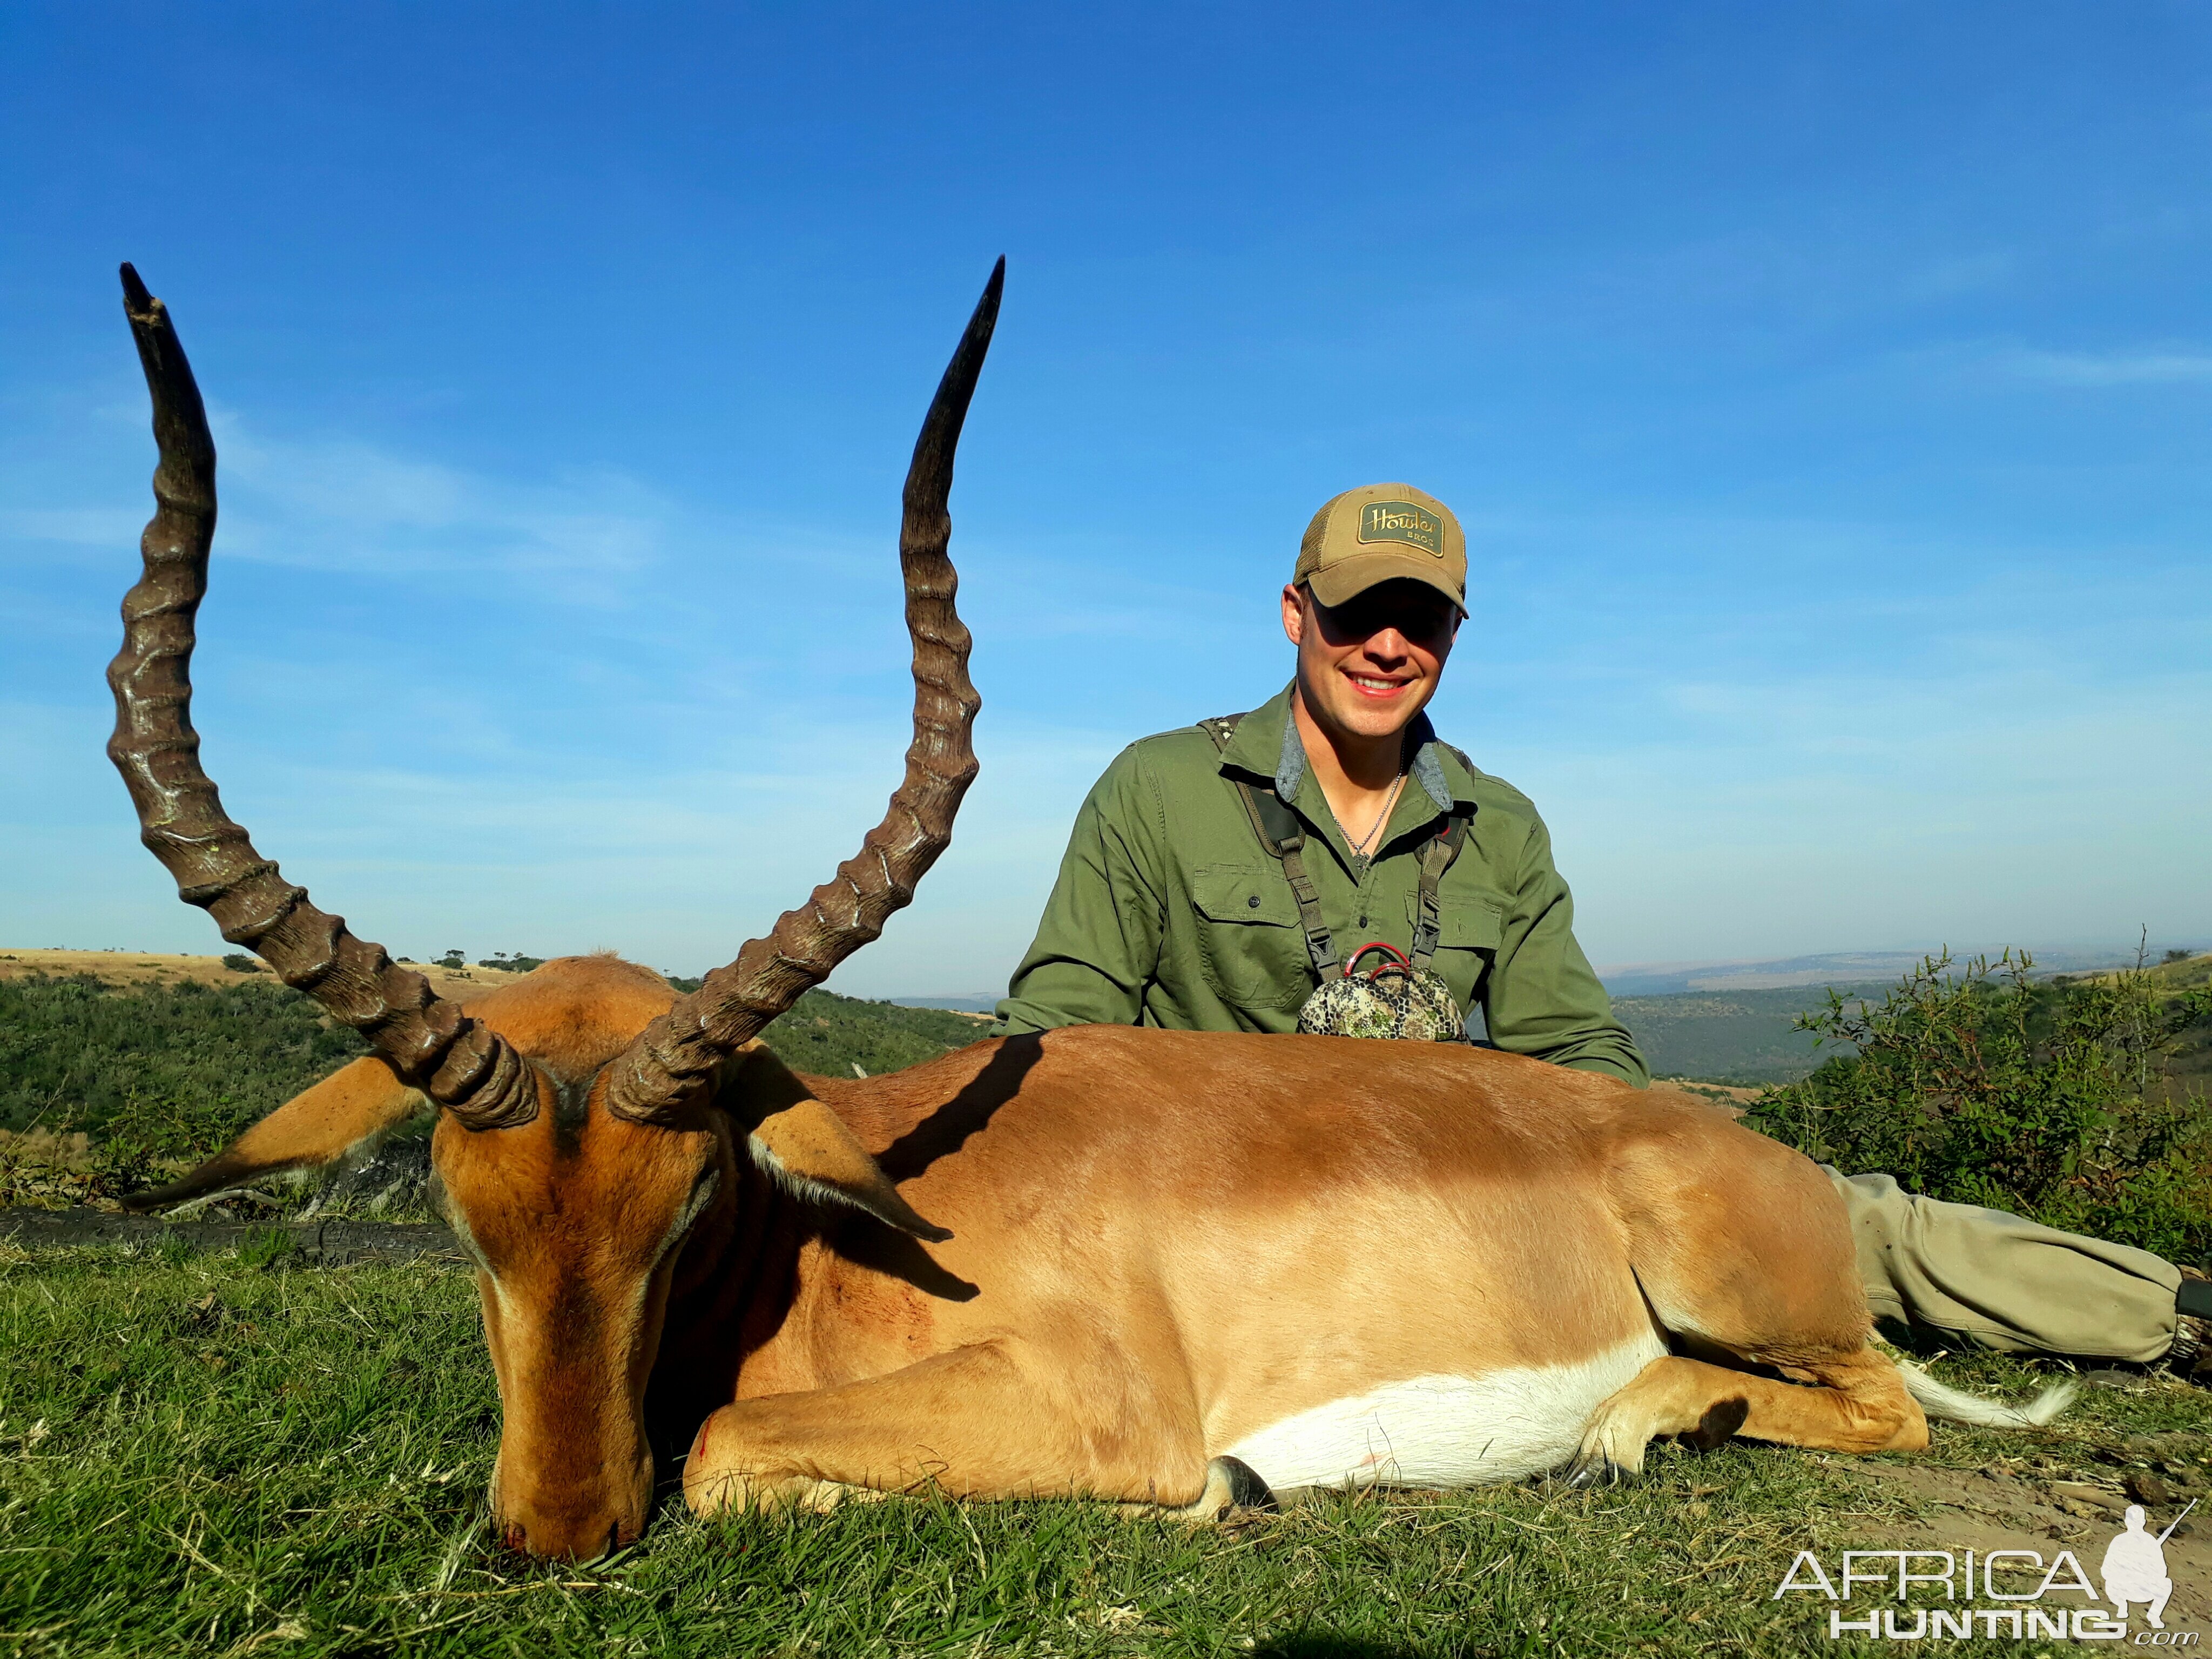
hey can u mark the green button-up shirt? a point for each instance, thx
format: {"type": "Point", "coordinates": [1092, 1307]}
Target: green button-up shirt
{"type": "Point", "coordinates": [1169, 912]}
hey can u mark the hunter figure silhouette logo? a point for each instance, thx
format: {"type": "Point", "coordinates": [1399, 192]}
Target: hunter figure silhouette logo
{"type": "Point", "coordinates": [2009, 1593]}
{"type": "Point", "coordinates": [2134, 1567]}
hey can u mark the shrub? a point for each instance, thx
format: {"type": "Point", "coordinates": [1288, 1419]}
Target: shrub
{"type": "Point", "coordinates": [1980, 1085]}
{"type": "Point", "coordinates": [239, 962]}
{"type": "Point", "coordinates": [120, 1083]}
{"type": "Point", "coordinates": [179, 1068]}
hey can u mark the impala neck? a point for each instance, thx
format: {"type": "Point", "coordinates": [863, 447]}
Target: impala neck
{"type": "Point", "coordinates": [734, 1285]}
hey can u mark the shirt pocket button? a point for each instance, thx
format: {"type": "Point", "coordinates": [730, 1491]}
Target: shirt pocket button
{"type": "Point", "coordinates": [1252, 902]}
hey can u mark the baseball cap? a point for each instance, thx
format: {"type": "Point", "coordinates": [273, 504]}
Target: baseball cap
{"type": "Point", "coordinates": [1378, 533]}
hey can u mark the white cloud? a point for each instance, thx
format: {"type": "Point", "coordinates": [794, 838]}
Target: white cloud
{"type": "Point", "coordinates": [2164, 366]}
{"type": "Point", "coordinates": [342, 504]}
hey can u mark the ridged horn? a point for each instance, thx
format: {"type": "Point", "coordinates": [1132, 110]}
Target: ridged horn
{"type": "Point", "coordinates": [674, 1059]}
{"type": "Point", "coordinates": [431, 1044]}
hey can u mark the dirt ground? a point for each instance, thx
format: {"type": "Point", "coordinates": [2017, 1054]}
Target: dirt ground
{"type": "Point", "coordinates": [2001, 1508]}
{"type": "Point", "coordinates": [154, 968]}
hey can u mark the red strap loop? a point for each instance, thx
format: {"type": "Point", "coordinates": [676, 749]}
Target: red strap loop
{"type": "Point", "coordinates": [1398, 962]}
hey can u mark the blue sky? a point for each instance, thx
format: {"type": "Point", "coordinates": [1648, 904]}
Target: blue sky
{"type": "Point", "coordinates": [1823, 390]}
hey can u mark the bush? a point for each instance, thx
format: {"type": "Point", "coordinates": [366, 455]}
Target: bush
{"type": "Point", "coordinates": [1980, 1086]}
{"type": "Point", "coordinates": [239, 962]}
{"type": "Point", "coordinates": [135, 1079]}
{"type": "Point", "coordinates": [176, 1069]}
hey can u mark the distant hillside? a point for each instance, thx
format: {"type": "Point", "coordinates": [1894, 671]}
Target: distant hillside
{"type": "Point", "coordinates": [182, 1063]}
{"type": "Point", "coordinates": [1738, 1036]}
{"type": "Point", "coordinates": [196, 1050]}
{"type": "Point", "coordinates": [189, 1052]}
{"type": "Point", "coordinates": [829, 1033]}
{"type": "Point", "coordinates": [1742, 1034]}
{"type": "Point", "coordinates": [1840, 968]}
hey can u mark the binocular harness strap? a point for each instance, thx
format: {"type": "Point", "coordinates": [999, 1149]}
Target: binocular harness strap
{"type": "Point", "coordinates": [1285, 838]}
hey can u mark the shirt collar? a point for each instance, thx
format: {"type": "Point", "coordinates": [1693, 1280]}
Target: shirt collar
{"type": "Point", "coordinates": [1266, 744]}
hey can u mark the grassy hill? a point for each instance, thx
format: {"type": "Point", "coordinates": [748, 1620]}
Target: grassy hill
{"type": "Point", "coordinates": [827, 1033]}
{"type": "Point", "coordinates": [180, 1062]}
{"type": "Point", "coordinates": [189, 1051]}
{"type": "Point", "coordinates": [1744, 1036]}
{"type": "Point", "coordinates": [187, 1061]}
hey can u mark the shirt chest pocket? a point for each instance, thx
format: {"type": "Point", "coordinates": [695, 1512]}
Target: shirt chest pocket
{"type": "Point", "coordinates": [1251, 948]}
{"type": "Point", "coordinates": [1470, 926]}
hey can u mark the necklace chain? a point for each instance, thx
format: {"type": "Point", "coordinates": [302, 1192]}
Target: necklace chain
{"type": "Point", "coordinates": [1359, 847]}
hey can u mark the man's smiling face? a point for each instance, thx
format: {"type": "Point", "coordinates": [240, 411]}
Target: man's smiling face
{"type": "Point", "coordinates": [1367, 666]}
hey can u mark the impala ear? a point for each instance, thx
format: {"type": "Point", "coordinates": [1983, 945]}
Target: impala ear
{"type": "Point", "coordinates": [314, 1127]}
{"type": "Point", "coordinates": [805, 1144]}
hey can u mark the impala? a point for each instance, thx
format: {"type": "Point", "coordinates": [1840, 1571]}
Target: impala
{"type": "Point", "coordinates": [1156, 1268]}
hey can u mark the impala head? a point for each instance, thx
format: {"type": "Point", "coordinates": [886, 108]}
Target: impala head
{"type": "Point", "coordinates": [591, 1123]}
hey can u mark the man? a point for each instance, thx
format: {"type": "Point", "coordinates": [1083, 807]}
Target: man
{"type": "Point", "coordinates": [1176, 906]}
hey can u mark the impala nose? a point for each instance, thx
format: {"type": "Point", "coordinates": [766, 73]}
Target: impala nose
{"type": "Point", "coordinates": [569, 1513]}
{"type": "Point", "coordinates": [563, 1538]}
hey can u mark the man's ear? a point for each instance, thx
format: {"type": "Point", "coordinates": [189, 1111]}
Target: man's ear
{"type": "Point", "coordinates": [314, 1127]}
{"type": "Point", "coordinates": [805, 1144]}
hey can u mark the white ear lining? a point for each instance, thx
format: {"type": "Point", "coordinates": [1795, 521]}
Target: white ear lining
{"type": "Point", "coordinates": [800, 1186]}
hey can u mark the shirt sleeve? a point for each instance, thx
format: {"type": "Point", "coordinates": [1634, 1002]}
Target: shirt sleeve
{"type": "Point", "coordinates": [1542, 999]}
{"type": "Point", "coordinates": [1098, 945]}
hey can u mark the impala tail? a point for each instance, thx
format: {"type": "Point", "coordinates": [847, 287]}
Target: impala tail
{"type": "Point", "coordinates": [1956, 1405]}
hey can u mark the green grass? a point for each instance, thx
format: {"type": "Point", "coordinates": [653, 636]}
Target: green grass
{"type": "Point", "coordinates": [225, 1455]}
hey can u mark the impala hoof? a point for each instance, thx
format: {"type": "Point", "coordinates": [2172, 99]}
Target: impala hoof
{"type": "Point", "coordinates": [1232, 1485]}
{"type": "Point", "coordinates": [1600, 1471]}
{"type": "Point", "coordinates": [1247, 1491]}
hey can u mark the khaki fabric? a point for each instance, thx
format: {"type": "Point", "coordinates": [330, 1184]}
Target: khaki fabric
{"type": "Point", "coordinates": [1996, 1280]}
{"type": "Point", "coordinates": [1379, 533]}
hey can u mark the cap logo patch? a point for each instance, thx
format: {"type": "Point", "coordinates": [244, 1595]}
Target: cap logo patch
{"type": "Point", "coordinates": [1402, 521]}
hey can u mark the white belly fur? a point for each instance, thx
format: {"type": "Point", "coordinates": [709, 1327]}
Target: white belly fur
{"type": "Point", "coordinates": [1445, 1431]}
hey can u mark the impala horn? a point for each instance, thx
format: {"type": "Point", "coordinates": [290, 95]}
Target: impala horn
{"type": "Point", "coordinates": [461, 1064]}
{"type": "Point", "coordinates": [674, 1059]}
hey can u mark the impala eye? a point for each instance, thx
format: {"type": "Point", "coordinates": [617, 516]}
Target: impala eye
{"type": "Point", "coordinates": [703, 1188]}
